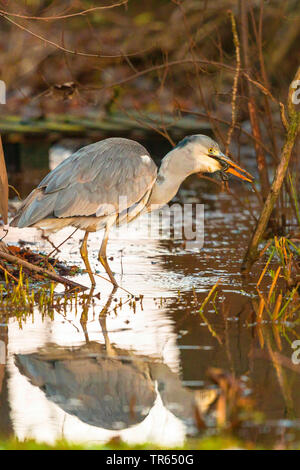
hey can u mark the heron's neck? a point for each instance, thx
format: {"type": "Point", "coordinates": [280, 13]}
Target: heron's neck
{"type": "Point", "coordinates": [172, 173]}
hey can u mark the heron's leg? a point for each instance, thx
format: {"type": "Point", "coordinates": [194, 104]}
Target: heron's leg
{"type": "Point", "coordinates": [84, 256]}
{"type": "Point", "coordinates": [84, 314]}
{"type": "Point", "coordinates": [103, 259]}
{"type": "Point", "coordinates": [102, 320]}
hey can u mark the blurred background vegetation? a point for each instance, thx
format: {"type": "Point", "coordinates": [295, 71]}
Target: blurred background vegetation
{"type": "Point", "coordinates": [188, 44]}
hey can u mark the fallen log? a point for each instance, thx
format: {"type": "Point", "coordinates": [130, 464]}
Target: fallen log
{"type": "Point", "coordinates": [36, 269]}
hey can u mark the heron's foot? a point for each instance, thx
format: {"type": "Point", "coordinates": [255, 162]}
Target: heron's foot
{"type": "Point", "coordinates": [103, 261]}
{"type": "Point", "coordinates": [84, 256]}
{"type": "Point", "coordinates": [91, 276]}
{"type": "Point", "coordinates": [92, 279]}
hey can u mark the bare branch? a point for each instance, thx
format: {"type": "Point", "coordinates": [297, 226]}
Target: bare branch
{"type": "Point", "coordinates": [61, 17]}
{"type": "Point", "coordinates": [292, 132]}
{"type": "Point", "coordinates": [236, 79]}
{"type": "Point", "coordinates": [70, 51]}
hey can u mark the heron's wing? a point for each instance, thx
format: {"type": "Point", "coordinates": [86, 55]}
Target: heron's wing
{"type": "Point", "coordinates": [91, 182]}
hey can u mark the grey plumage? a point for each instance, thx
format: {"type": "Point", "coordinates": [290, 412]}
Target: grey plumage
{"type": "Point", "coordinates": [90, 182]}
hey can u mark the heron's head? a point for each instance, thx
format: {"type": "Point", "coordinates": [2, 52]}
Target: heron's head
{"type": "Point", "coordinates": [206, 157]}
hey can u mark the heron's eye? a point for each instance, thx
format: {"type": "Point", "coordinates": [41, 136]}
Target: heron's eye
{"type": "Point", "coordinates": [211, 150]}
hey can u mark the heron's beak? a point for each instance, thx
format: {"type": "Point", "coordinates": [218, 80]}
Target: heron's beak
{"type": "Point", "coordinates": [230, 166]}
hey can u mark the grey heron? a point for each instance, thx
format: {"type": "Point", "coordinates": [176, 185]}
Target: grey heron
{"type": "Point", "coordinates": [85, 190]}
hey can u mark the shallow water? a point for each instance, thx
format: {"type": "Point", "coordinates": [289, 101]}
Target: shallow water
{"type": "Point", "coordinates": [136, 370]}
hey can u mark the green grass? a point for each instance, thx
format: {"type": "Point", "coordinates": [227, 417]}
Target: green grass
{"type": "Point", "coordinates": [208, 443]}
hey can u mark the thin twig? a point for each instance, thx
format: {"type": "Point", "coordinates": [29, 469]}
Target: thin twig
{"type": "Point", "coordinates": [235, 80]}
{"type": "Point", "coordinates": [293, 129]}
{"type": "Point", "coordinates": [61, 17]}
{"type": "Point", "coordinates": [8, 273]}
{"type": "Point", "coordinates": [70, 51]}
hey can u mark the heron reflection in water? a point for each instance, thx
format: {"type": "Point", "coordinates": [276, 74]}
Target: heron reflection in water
{"type": "Point", "coordinates": [109, 387]}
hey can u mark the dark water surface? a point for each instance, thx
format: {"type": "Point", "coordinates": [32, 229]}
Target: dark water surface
{"type": "Point", "coordinates": [137, 368]}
